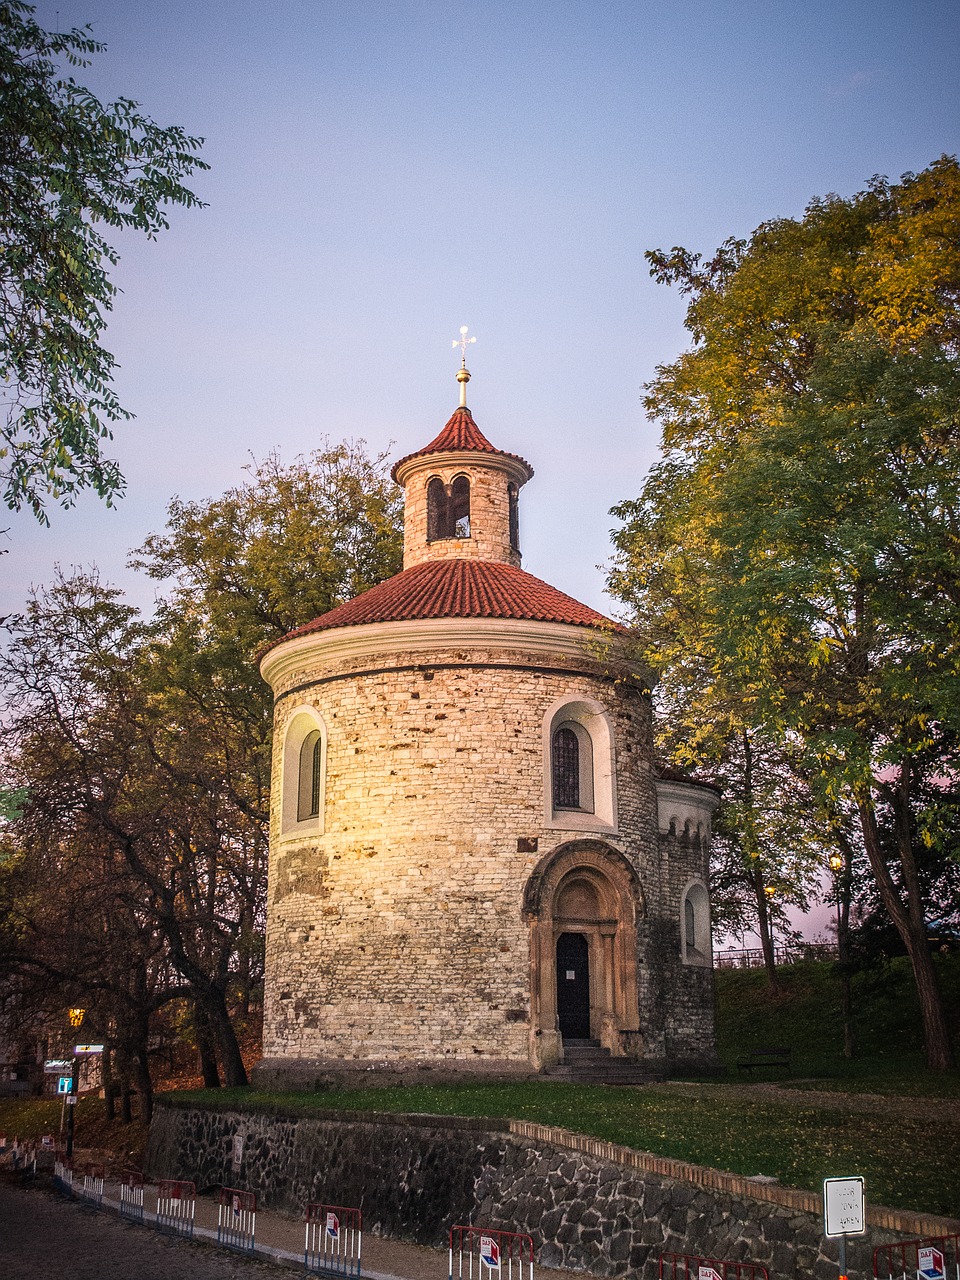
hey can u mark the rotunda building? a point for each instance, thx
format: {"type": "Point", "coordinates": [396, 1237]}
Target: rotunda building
{"type": "Point", "coordinates": [475, 866]}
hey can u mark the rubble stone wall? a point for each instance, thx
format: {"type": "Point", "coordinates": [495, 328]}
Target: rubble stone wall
{"type": "Point", "coordinates": [589, 1206]}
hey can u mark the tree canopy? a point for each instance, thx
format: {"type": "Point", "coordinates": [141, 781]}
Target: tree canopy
{"type": "Point", "coordinates": [69, 166]}
{"type": "Point", "coordinates": [797, 549]}
{"type": "Point", "coordinates": [137, 756]}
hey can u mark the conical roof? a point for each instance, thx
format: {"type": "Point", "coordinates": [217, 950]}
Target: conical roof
{"type": "Point", "coordinates": [458, 588]}
{"type": "Point", "coordinates": [461, 435]}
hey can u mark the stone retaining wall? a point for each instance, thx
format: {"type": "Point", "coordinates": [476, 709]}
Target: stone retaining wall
{"type": "Point", "coordinates": [589, 1205]}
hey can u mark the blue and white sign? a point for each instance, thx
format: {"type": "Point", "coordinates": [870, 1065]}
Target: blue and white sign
{"type": "Point", "coordinates": [333, 1227]}
{"type": "Point", "coordinates": [63, 1084]}
{"type": "Point", "coordinates": [930, 1264]}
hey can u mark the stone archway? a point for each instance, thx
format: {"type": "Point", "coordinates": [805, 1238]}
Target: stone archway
{"type": "Point", "coordinates": [585, 888]}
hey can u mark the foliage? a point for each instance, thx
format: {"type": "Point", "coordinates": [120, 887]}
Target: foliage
{"type": "Point", "coordinates": [69, 164]}
{"type": "Point", "coordinates": [138, 863]}
{"type": "Point", "coordinates": [797, 550]}
{"type": "Point", "coordinates": [805, 1013]}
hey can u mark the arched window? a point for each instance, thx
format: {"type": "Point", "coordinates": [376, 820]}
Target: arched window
{"type": "Point", "coordinates": [448, 509]}
{"type": "Point", "coordinates": [304, 765]}
{"type": "Point", "coordinates": [436, 510]}
{"type": "Point", "coordinates": [572, 767]}
{"type": "Point", "coordinates": [513, 496]}
{"type": "Point", "coordinates": [308, 790]}
{"type": "Point", "coordinates": [460, 507]}
{"type": "Point", "coordinates": [579, 766]}
{"type": "Point", "coordinates": [695, 924]}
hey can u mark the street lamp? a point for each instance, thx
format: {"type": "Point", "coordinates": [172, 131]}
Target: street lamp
{"type": "Point", "coordinates": [841, 883]}
{"type": "Point", "coordinates": [770, 891]}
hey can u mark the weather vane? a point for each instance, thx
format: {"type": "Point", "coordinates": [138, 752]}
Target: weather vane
{"type": "Point", "coordinates": [463, 374]}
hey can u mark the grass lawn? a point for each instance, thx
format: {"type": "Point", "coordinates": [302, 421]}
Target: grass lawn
{"type": "Point", "coordinates": [907, 1163]}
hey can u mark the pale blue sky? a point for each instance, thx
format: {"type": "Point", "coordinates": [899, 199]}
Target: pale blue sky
{"type": "Point", "coordinates": [385, 172]}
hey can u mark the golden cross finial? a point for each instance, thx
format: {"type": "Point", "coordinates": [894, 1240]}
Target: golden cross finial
{"type": "Point", "coordinates": [463, 373]}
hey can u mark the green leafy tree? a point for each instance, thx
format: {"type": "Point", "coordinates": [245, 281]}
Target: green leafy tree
{"type": "Point", "coordinates": [69, 166]}
{"type": "Point", "coordinates": [144, 750]}
{"type": "Point", "coordinates": [803, 527]}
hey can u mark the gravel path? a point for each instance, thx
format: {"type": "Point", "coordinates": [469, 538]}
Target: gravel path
{"type": "Point", "coordinates": [43, 1237]}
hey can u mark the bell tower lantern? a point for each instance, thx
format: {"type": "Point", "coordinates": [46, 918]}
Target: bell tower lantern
{"type": "Point", "coordinates": [461, 495]}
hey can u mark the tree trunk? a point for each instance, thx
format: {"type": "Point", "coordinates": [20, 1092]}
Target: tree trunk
{"type": "Point", "coordinates": [141, 1067]}
{"type": "Point", "coordinates": [205, 1047]}
{"type": "Point", "coordinates": [234, 1072]}
{"type": "Point", "coordinates": [109, 1098]}
{"type": "Point", "coordinates": [910, 924]}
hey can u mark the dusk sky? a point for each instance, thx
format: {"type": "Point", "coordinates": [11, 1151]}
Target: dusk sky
{"type": "Point", "coordinates": [382, 173]}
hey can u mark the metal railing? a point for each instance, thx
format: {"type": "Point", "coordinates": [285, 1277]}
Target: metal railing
{"type": "Point", "coordinates": [332, 1240]}
{"type": "Point", "coordinates": [237, 1219]}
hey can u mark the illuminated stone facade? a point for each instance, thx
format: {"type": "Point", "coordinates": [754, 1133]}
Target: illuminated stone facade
{"type": "Point", "coordinates": [422, 871]}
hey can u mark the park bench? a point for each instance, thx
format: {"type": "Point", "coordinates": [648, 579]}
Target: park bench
{"type": "Point", "coordinates": [764, 1058]}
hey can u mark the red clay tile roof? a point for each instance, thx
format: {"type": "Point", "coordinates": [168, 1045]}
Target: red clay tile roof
{"type": "Point", "coordinates": [460, 433]}
{"type": "Point", "coordinates": [458, 589]}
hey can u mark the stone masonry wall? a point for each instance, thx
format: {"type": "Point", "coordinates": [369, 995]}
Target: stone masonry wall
{"type": "Point", "coordinates": [489, 514]}
{"type": "Point", "coordinates": [398, 933]}
{"type": "Point", "coordinates": [589, 1205]}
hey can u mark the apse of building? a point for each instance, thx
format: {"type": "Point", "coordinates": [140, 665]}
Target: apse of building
{"type": "Point", "coordinates": [475, 865]}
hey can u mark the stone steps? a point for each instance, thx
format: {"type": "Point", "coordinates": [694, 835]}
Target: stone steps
{"type": "Point", "coordinates": [586, 1062]}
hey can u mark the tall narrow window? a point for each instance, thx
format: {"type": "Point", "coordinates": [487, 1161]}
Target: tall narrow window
{"type": "Point", "coordinates": [308, 792]}
{"type": "Point", "coordinates": [695, 925]}
{"type": "Point", "coordinates": [460, 507]}
{"type": "Point", "coordinates": [437, 521]}
{"type": "Point", "coordinates": [566, 769]}
{"type": "Point", "coordinates": [513, 496]}
{"type": "Point", "coordinates": [690, 920]}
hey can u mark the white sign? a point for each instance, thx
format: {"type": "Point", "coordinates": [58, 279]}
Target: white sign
{"type": "Point", "coordinates": [708, 1273]}
{"type": "Point", "coordinates": [930, 1264]}
{"type": "Point", "coordinates": [843, 1207]}
{"type": "Point", "coordinates": [54, 1066]}
{"type": "Point", "coordinates": [237, 1151]}
{"type": "Point", "coordinates": [333, 1227]}
{"type": "Point", "coordinates": [71, 1099]}
{"type": "Point", "coordinates": [79, 1049]}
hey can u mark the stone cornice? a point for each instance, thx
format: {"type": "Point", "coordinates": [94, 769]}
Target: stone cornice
{"type": "Point", "coordinates": [515, 468]}
{"type": "Point", "coordinates": [585, 647]}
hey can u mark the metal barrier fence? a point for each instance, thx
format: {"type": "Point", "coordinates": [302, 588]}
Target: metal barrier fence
{"type": "Point", "coordinates": [63, 1173]}
{"type": "Point", "coordinates": [332, 1241]}
{"type": "Point", "coordinates": [93, 1177]}
{"type": "Point", "coordinates": [131, 1197]}
{"type": "Point", "coordinates": [176, 1207]}
{"type": "Point", "coordinates": [477, 1253]}
{"type": "Point", "coordinates": [686, 1266]}
{"type": "Point", "coordinates": [237, 1219]}
{"type": "Point", "coordinates": [933, 1258]}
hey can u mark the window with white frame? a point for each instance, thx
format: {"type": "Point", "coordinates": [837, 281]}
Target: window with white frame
{"type": "Point", "coordinates": [304, 770]}
{"type": "Point", "coordinates": [579, 772]}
